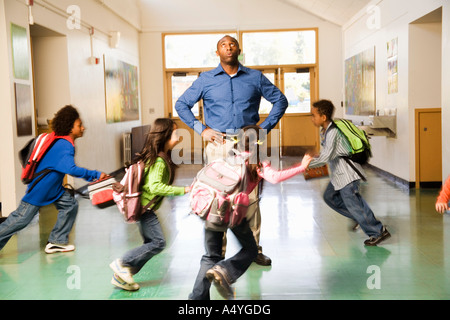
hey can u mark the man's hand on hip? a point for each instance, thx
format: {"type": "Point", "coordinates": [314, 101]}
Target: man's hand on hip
{"type": "Point", "coordinates": [212, 136]}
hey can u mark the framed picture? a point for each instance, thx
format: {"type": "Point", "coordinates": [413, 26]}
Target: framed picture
{"type": "Point", "coordinates": [121, 91]}
{"type": "Point", "coordinates": [23, 109]}
{"type": "Point", "coordinates": [360, 83]}
{"type": "Point", "coordinates": [392, 58]}
{"type": "Point", "coordinates": [19, 45]}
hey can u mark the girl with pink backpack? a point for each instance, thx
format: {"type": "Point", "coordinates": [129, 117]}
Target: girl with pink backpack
{"type": "Point", "coordinates": [213, 267]}
{"type": "Point", "coordinates": [156, 183]}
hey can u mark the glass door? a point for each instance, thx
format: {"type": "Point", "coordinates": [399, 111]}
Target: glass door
{"type": "Point", "coordinates": [180, 82]}
{"type": "Point", "coordinates": [190, 149]}
{"type": "Point", "coordinates": [295, 133]}
{"type": "Point", "coordinates": [298, 134]}
{"type": "Point", "coordinates": [273, 139]}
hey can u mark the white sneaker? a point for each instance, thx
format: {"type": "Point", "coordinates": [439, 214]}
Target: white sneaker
{"type": "Point", "coordinates": [120, 283]}
{"type": "Point", "coordinates": [52, 248]}
{"type": "Point", "coordinates": [123, 272]}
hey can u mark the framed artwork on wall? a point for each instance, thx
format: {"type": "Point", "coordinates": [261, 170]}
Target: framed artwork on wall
{"type": "Point", "coordinates": [19, 46]}
{"type": "Point", "coordinates": [392, 59]}
{"type": "Point", "coordinates": [121, 90]}
{"type": "Point", "coordinates": [23, 109]}
{"type": "Point", "coordinates": [360, 84]}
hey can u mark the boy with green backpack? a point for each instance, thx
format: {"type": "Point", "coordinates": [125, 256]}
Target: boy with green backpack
{"type": "Point", "coordinates": [342, 193]}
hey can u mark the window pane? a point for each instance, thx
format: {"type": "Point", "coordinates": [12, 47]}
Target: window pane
{"type": "Point", "coordinates": [297, 91]}
{"type": "Point", "coordinates": [192, 50]}
{"type": "Point", "coordinates": [279, 48]}
{"type": "Point", "coordinates": [179, 85]}
{"type": "Point", "coordinates": [265, 106]}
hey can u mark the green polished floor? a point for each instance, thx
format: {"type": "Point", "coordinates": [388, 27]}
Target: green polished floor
{"type": "Point", "coordinates": [314, 254]}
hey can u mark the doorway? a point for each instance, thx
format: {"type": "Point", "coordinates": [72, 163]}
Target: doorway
{"type": "Point", "coordinates": [425, 96]}
{"type": "Point", "coordinates": [297, 134]}
{"type": "Point", "coordinates": [428, 148]}
{"type": "Point", "coordinates": [50, 74]}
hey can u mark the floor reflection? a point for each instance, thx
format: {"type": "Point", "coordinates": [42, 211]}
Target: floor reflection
{"type": "Point", "coordinates": [314, 254]}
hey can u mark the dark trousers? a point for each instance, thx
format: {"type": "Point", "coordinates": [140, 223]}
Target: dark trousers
{"type": "Point", "coordinates": [349, 202]}
{"type": "Point", "coordinates": [234, 266]}
{"type": "Point", "coordinates": [154, 243]}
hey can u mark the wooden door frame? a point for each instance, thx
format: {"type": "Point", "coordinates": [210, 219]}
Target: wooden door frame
{"type": "Point", "coordinates": [417, 113]}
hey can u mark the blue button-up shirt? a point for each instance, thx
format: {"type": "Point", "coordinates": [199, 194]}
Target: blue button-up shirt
{"type": "Point", "coordinates": [231, 103]}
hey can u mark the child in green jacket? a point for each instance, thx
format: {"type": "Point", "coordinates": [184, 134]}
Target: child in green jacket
{"type": "Point", "coordinates": [161, 138]}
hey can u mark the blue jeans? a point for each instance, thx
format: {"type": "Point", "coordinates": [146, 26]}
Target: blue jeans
{"type": "Point", "coordinates": [154, 243]}
{"type": "Point", "coordinates": [67, 212]}
{"type": "Point", "coordinates": [349, 202]}
{"type": "Point", "coordinates": [234, 266]}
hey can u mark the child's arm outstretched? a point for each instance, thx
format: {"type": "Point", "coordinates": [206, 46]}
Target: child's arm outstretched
{"type": "Point", "coordinates": [444, 195]}
{"type": "Point", "coordinates": [275, 176]}
{"type": "Point", "coordinates": [154, 182]}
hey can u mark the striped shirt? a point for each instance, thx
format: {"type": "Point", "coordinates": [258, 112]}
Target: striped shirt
{"type": "Point", "coordinates": [333, 147]}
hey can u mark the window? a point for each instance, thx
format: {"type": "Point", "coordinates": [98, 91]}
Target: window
{"type": "Point", "coordinates": [265, 106]}
{"type": "Point", "coordinates": [286, 57]}
{"type": "Point", "coordinates": [181, 82]}
{"type": "Point", "coordinates": [297, 89]}
{"type": "Point", "coordinates": [192, 50]}
{"type": "Point", "coordinates": [279, 48]}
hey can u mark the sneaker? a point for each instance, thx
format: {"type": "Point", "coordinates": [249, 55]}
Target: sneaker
{"type": "Point", "coordinates": [120, 283]}
{"type": "Point", "coordinates": [52, 248]}
{"type": "Point", "coordinates": [355, 227]}
{"type": "Point", "coordinates": [372, 241]}
{"type": "Point", "coordinates": [123, 272]}
{"type": "Point", "coordinates": [218, 275]}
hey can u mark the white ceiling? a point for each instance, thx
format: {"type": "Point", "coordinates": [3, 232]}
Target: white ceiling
{"type": "Point", "coordinates": [336, 11]}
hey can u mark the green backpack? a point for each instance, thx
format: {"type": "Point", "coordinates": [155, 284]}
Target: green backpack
{"type": "Point", "coordinates": [359, 142]}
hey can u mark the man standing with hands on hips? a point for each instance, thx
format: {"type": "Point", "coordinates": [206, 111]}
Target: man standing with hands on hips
{"type": "Point", "coordinates": [231, 96]}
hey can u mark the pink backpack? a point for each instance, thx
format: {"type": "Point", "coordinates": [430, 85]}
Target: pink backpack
{"type": "Point", "coordinates": [218, 194]}
{"type": "Point", "coordinates": [127, 192]}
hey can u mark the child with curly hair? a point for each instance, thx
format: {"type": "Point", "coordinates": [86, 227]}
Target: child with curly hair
{"type": "Point", "coordinates": [60, 161]}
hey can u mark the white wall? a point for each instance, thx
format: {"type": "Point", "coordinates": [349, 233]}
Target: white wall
{"type": "Point", "coordinates": [51, 75]}
{"type": "Point", "coordinates": [397, 156]}
{"type": "Point", "coordinates": [445, 91]}
{"type": "Point", "coordinates": [425, 63]}
{"type": "Point", "coordinates": [100, 147]}
{"type": "Point", "coordinates": [162, 16]}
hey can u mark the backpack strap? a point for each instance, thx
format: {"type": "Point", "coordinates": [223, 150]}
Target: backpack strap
{"type": "Point", "coordinates": [38, 176]}
{"type": "Point", "coordinates": [350, 163]}
{"type": "Point", "coordinates": [170, 165]}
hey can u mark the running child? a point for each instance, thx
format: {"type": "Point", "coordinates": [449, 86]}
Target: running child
{"type": "Point", "coordinates": [161, 138]}
{"type": "Point", "coordinates": [60, 160]}
{"type": "Point", "coordinates": [342, 193]}
{"type": "Point", "coordinates": [213, 267]}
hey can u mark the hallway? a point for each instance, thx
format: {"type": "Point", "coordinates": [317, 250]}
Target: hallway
{"type": "Point", "coordinates": [314, 254]}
